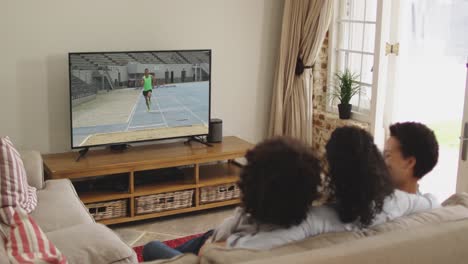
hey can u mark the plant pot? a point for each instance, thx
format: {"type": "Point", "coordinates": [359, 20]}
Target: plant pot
{"type": "Point", "coordinates": [344, 111]}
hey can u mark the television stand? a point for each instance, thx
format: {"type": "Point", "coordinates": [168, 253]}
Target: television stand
{"type": "Point", "coordinates": [199, 140]}
{"type": "Point", "coordinates": [82, 153]}
{"type": "Point", "coordinates": [141, 173]}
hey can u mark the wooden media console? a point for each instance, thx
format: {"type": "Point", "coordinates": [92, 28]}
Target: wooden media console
{"type": "Point", "coordinates": [206, 178]}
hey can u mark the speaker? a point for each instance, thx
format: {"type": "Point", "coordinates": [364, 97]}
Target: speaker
{"type": "Point", "coordinates": [215, 133]}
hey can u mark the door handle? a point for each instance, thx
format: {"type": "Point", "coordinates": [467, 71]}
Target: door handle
{"type": "Point", "coordinates": [464, 140]}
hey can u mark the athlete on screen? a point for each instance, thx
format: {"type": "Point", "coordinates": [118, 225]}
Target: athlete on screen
{"type": "Point", "coordinates": [147, 88]}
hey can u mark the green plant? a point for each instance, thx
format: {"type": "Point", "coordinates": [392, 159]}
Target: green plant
{"type": "Point", "coordinates": [346, 86]}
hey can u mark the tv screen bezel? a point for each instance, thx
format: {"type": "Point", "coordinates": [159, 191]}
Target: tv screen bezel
{"type": "Point", "coordinates": [136, 141]}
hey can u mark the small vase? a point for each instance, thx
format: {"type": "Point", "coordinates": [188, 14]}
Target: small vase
{"type": "Point", "coordinates": [344, 111]}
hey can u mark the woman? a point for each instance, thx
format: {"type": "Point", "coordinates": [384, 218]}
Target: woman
{"type": "Point", "coordinates": [361, 194]}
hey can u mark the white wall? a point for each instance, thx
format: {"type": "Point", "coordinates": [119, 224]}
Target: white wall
{"type": "Point", "coordinates": [35, 37]}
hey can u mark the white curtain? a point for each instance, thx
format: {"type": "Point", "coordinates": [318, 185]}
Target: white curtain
{"type": "Point", "coordinates": [305, 24]}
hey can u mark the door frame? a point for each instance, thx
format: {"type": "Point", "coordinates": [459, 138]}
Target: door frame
{"type": "Point", "coordinates": [462, 175]}
{"type": "Point", "coordinates": [378, 127]}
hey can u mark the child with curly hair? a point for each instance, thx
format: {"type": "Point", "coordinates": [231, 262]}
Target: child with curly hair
{"type": "Point", "coordinates": [278, 185]}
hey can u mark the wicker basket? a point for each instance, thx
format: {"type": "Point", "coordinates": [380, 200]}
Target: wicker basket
{"type": "Point", "coordinates": [107, 210]}
{"type": "Point", "coordinates": [163, 202]}
{"type": "Point", "coordinates": [219, 193]}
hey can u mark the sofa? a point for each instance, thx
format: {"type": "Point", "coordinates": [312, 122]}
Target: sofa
{"type": "Point", "coordinates": [436, 236]}
{"type": "Point", "coordinates": [66, 222]}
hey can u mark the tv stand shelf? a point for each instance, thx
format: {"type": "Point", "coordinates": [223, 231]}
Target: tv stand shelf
{"type": "Point", "coordinates": [202, 166]}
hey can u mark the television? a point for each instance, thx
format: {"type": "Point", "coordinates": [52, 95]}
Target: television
{"type": "Point", "coordinates": [134, 96]}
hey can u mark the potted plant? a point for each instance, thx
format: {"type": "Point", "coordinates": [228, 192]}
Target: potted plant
{"type": "Point", "coordinates": [345, 88]}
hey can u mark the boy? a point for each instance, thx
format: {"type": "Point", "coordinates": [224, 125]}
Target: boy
{"type": "Point", "coordinates": [410, 153]}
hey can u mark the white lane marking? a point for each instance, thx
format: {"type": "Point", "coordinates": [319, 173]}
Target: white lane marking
{"type": "Point", "coordinates": [153, 125]}
{"type": "Point", "coordinates": [162, 115]}
{"type": "Point", "coordinates": [190, 111]}
{"type": "Point", "coordinates": [165, 110]}
{"type": "Point", "coordinates": [86, 139]}
{"type": "Point", "coordinates": [132, 114]}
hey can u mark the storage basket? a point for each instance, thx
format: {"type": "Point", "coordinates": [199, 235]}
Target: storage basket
{"type": "Point", "coordinates": [107, 210]}
{"type": "Point", "coordinates": [217, 193]}
{"type": "Point", "coordinates": [163, 202]}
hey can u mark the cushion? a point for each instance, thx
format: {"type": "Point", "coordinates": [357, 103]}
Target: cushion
{"type": "Point", "coordinates": [14, 188]}
{"type": "Point", "coordinates": [434, 216]}
{"type": "Point", "coordinates": [455, 208]}
{"type": "Point", "coordinates": [34, 167]}
{"type": "Point", "coordinates": [92, 243]}
{"type": "Point", "coordinates": [24, 240]}
{"type": "Point", "coordinates": [59, 206]}
{"type": "Point", "coordinates": [214, 254]}
{"type": "Point", "coordinates": [457, 199]}
{"type": "Point", "coordinates": [435, 243]}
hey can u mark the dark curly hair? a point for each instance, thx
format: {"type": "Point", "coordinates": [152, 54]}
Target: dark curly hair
{"type": "Point", "coordinates": [280, 181]}
{"type": "Point", "coordinates": [358, 179]}
{"type": "Point", "coordinates": [418, 141]}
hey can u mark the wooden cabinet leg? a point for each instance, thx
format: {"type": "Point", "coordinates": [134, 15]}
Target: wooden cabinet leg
{"type": "Point", "coordinates": [197, 181]}
{"type": "Point", "coordinates": [131, 187]}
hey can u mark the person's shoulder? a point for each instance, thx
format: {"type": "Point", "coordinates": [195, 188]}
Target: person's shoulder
{"type": "Point", "coordinates": [432, 198]}
{"type": "Point", "coordinates": [419, 198]}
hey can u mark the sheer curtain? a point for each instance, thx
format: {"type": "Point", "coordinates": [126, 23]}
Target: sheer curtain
{"type": "Point", "coordinates": [305, 24]}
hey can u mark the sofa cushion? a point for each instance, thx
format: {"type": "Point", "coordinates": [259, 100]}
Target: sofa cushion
{"type": "Point", "coordinates": [214, 254]}
{"type": "Point", "coordinates": [454, 208]}
{"type": "Point", "coordinates": [457, 199]}
{"type": "Point", "coordinates": [92, 243]}
{"type": "Point", "coordinates": [24, 241]}
{"type": "Point", "coordinates": [33, 165]}
{"type": "Point", "coordinates": [434, 216]}
{"type": "Point", "coordinates": [435, 243]}
{"type": "Point", "coordinates": [59, 206]}
{"type": "Point", "coordinates": [14, 188]}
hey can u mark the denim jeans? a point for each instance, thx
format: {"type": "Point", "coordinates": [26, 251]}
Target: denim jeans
{"type": "Point", "coordinates": [157, 250]}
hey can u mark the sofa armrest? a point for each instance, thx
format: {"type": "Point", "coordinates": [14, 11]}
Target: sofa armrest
{"type": "Point", "coordinates": [92, 243]}
{"type": "Point", "coordinates": [34, 168]}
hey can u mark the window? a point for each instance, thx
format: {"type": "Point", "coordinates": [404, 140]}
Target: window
{"type": "Point", "coordinates": [352, 46]}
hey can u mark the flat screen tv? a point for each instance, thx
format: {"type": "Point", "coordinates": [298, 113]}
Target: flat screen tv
{"type": "Point", "coordinates": [135, 96]}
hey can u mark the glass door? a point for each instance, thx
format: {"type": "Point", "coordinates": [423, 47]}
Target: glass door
{"type": "Point", "coordinates": [426, 80]}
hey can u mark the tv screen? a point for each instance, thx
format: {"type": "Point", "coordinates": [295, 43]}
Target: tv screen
{"type": "Point", "coordinates": [122, 97]}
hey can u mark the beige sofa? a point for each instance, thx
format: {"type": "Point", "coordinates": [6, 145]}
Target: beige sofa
{"type": "Point", "coordinates": [436, 236]}
{"type": "Point", "coordinates": [67, 223]}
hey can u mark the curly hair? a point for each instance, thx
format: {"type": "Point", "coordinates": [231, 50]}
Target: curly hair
{"type": "Point", "coordinates": [280, 181]}
{"type": "Point", "coordinates": [418, 141]}
{"type": "Point", "coordinates": [358, 180]}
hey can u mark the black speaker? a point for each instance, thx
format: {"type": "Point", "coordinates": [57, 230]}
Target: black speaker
{"type": "Point", "coordinates": [215, 133]}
